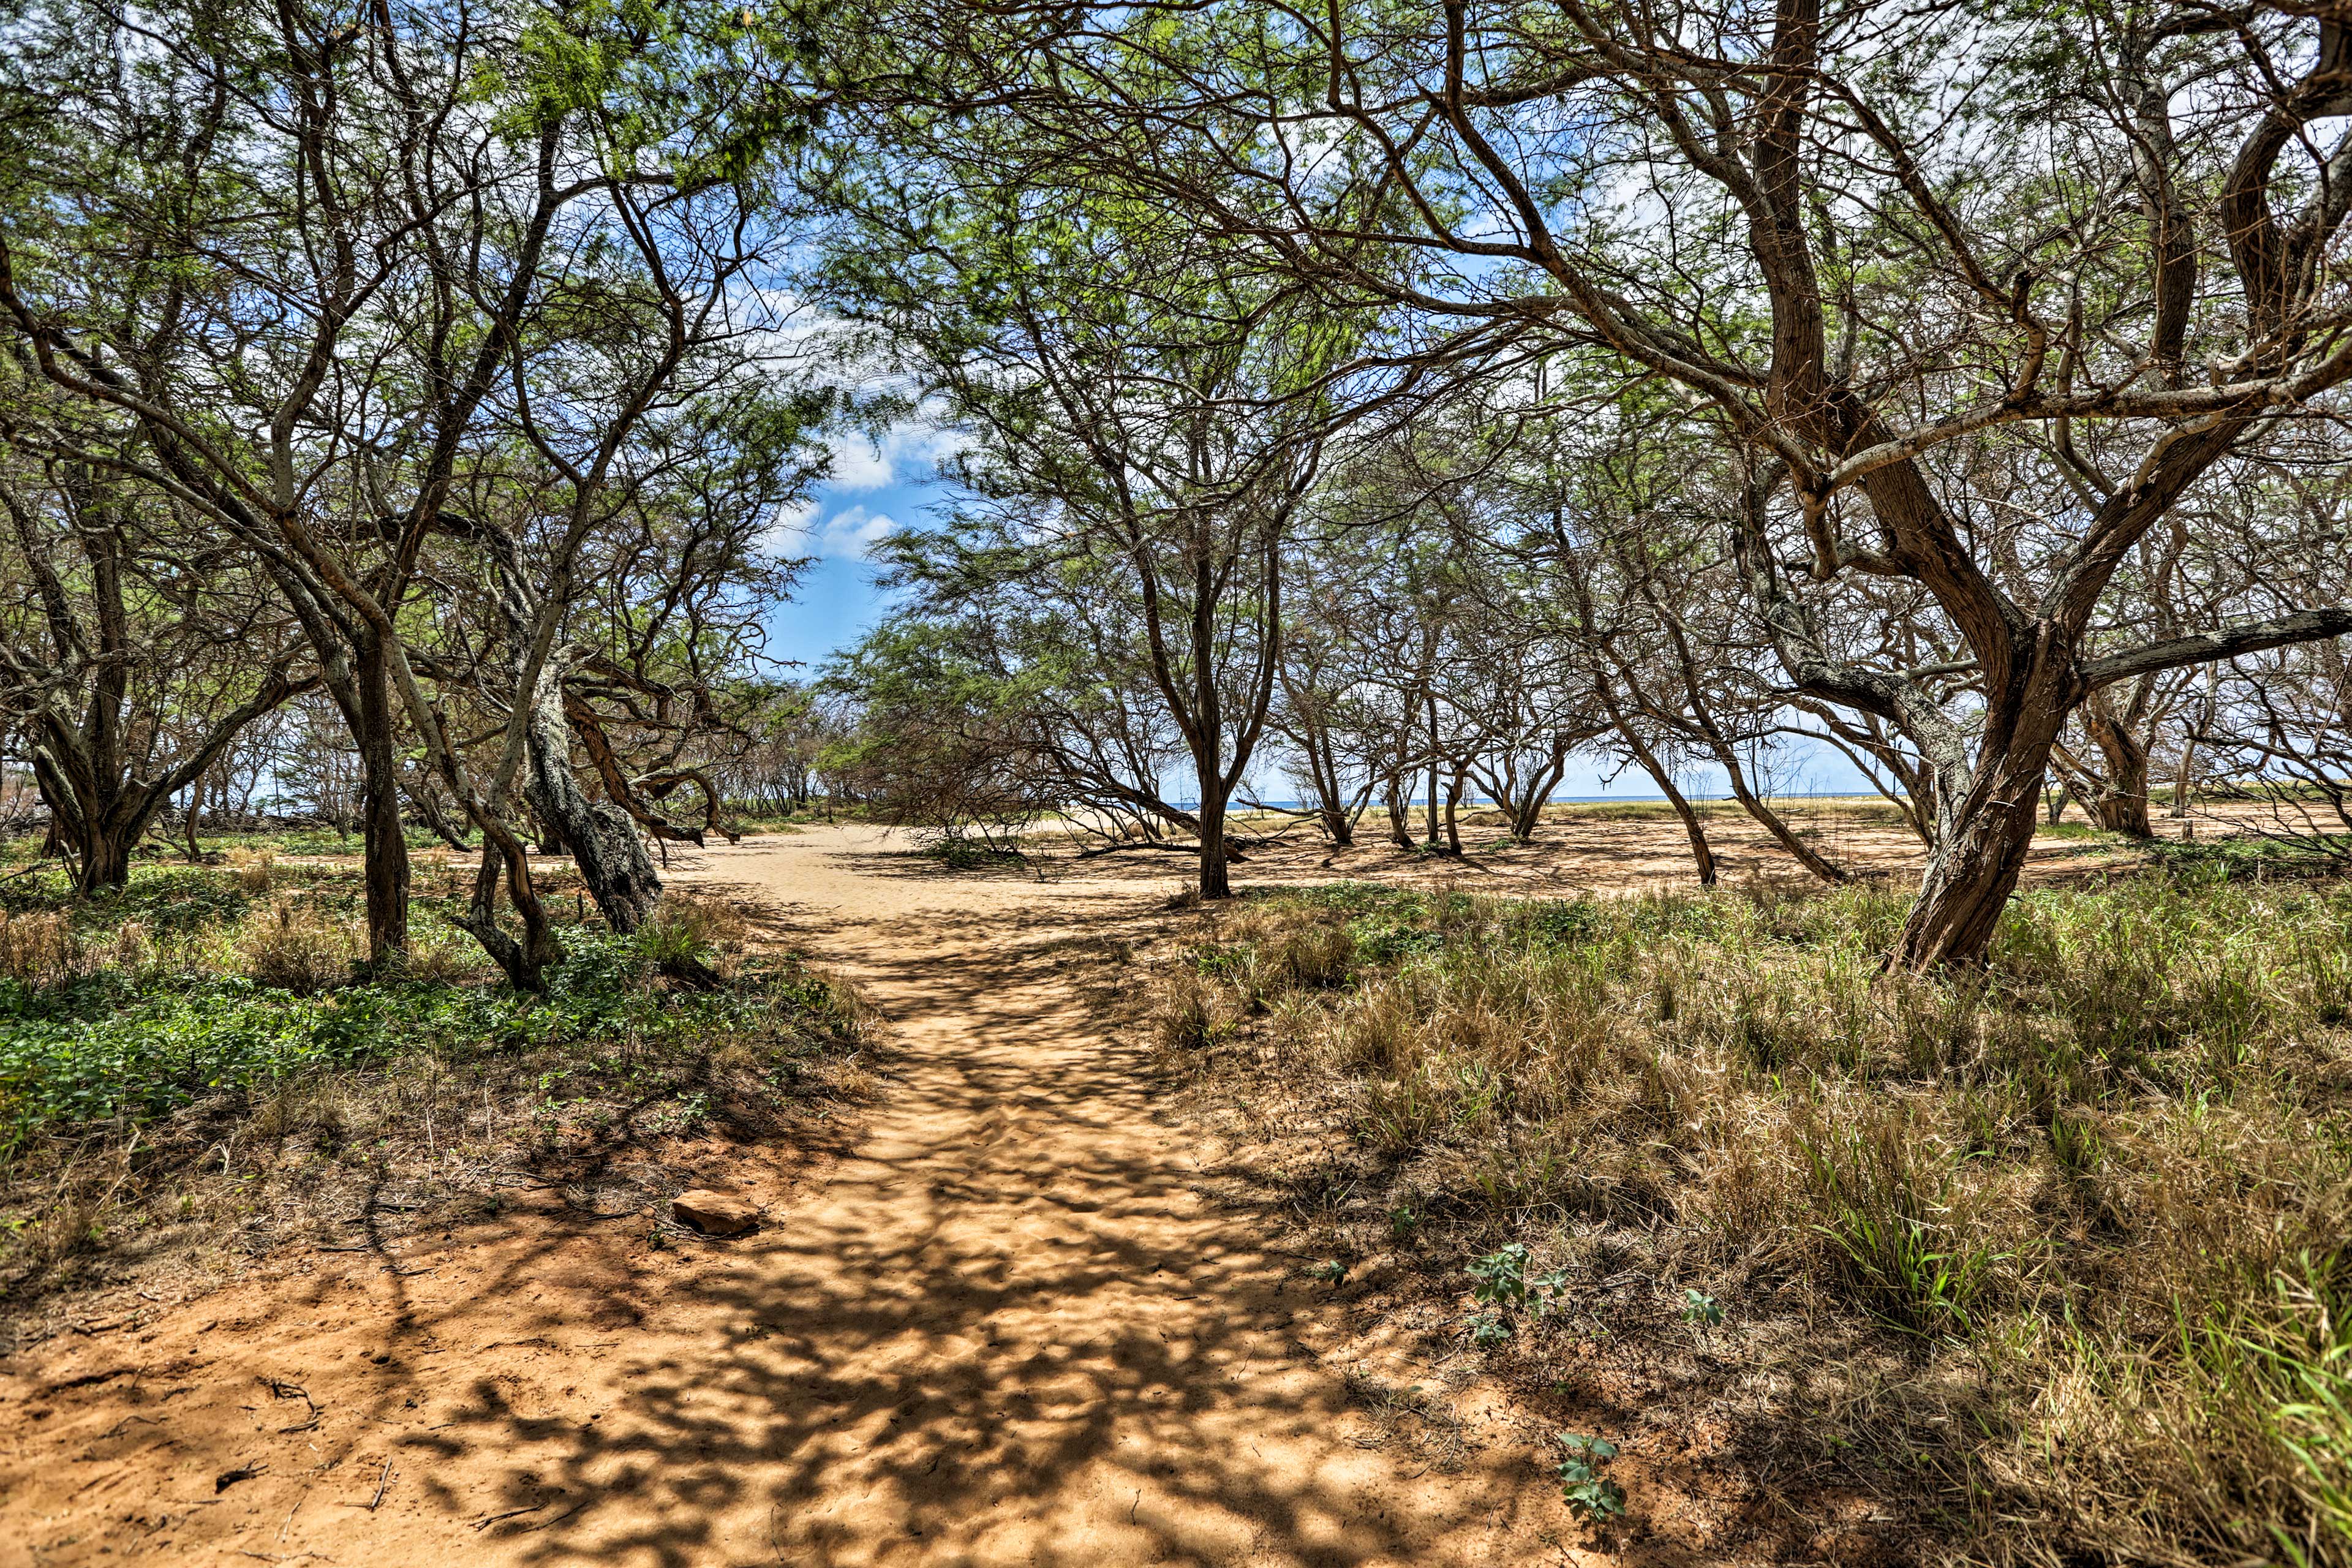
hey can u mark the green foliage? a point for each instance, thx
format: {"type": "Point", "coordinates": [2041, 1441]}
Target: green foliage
{"type": "Point", "coordinates": [169, 900]}
{"type": "Point", "coordinates": [1590, 1496]}
{"type": "Point", "coordinates": [1500, 1281]}
{"type": "Point", "coordinates": [962, 852]}
{"type": "Point", "coordinates": [112, 1045]}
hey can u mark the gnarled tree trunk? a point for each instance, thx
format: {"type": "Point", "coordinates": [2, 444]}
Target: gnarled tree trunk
{"type": "Point", "coordinates": [602, 837]}
{"type": "Point", "coordinates": [1989, 812]}
{"type": "Point", "coordinates": [2121, 805]}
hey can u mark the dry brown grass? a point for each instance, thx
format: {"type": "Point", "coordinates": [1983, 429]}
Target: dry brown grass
{"type": "Point", "coordinates": [295, 945]}
{"type": "Point", "coordinates": [38, 949]}
{"type": "Point", "coordinates": [2067, 1242]}
{"type": "Point", "coordinates": [254, 870]}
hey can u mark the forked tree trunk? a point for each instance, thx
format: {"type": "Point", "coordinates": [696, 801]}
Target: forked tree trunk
{"type": "Point", "coordinates": [1400, 819]}
{"type": "Point", "coordinates": [95, 817]}
{"type": "Point", "coordinates": [1526, 805]}
{"type": "Point", "coordinates": [105, 857]}
{"type": "Point", "coordinates": [1988, 826]}
{"type": "Point", "coordinates": [1332, 802]}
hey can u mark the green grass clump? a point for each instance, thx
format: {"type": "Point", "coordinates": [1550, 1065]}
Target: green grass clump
{"type": "Point", "coordinates": [108, 1048]}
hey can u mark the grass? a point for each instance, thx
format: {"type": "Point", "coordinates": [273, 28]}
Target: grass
{"type": "Point", "coordinates": [192, 1056]}
{"type": "Point", "coordinates": [2063, 1244]}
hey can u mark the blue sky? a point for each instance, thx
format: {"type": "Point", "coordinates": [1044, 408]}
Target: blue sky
{"type": "Point", "coordinates": [877, 486]}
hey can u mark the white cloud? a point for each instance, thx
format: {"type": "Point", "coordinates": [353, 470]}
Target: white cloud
{"type": "Point", "coordinates": [805, 528]}
{"type": "Point", "coordinates": [904, 452]}
{"type": "Point", "coordinates": [850, 532]}
{"type": "Point", "coordinates": [787, 531]}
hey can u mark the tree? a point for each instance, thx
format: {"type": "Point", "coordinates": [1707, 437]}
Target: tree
{"type": "Point", "coordinates": [131, 655]}
{"type": "Point", "coordinates": [1143, 423]}
{"type": "Point", "coordinates": [381, 294]}
{"type": "Point", "coordinates": [1865, 246]}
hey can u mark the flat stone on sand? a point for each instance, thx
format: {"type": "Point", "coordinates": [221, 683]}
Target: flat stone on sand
{"type": "Point", "coordinates": [714, 1214]}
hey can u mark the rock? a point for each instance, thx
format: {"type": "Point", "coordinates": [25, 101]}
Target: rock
{"type": "Point", "coordinates": [715, 1214]}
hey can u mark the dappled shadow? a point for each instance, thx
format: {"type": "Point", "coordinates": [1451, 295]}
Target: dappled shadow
{"type": "Point", "coordinates": [999, 1324]}
{"type": "Point", "coordinates": [1009, 1332]}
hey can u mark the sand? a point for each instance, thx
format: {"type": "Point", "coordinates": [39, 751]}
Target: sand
{"type": "Point", "coordinates": [1004, 1326]}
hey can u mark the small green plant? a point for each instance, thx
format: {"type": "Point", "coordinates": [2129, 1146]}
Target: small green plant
{"type": "Point", "coordinates": [1701, 1308]}
{"type": "Point", "coordinates": [1500, 1281]}
{"type": "Point", "coordinates": [1335, 1273]}
{"type": "Point", "coordinates": [1590, 1495]}
{"type": "Point", "coordinates": [1487, 1330]}
{"type": "Point", "coordinates": [1403, 1224]}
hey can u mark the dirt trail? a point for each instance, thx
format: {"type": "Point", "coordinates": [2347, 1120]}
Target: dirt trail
{"type": "Point", "coordinates": [1001, 1328]}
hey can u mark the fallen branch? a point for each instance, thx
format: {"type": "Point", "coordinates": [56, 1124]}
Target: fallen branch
{"type": "Point", "coordinates": [1232, 856]}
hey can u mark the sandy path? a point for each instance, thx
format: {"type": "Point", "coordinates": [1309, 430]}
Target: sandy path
{"type": "Point", "coordinates": [1001, 1329]}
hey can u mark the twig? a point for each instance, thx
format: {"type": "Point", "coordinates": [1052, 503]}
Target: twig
{"type": "Point", "coordinates": [511, 1513]}
{"type": "Point", "coordinates": [382, 1481]}
{"type": "Point", "coordinates": [559, 1519]}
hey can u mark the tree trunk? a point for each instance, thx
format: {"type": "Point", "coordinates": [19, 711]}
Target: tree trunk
{"type": "Point", "coordinates": [385, 848]}
{"type": "Point", "coordinates": [1702, 852]}
{"type": "Point", "coordinates": [2121, 806]}
{"type": "Point", "coordinates": [105, 857]}
{"type": "Point", "coordinates": [1969, 878]}
{"type": "Point", "coordinates": [1987, 827]}
{"type": "Point", "coordinates": [94, 819]}
{"type": "Point", "coordinates": [1215, 883]}
{"type": "Point", "coordinates": [2185, 772]}
{"type": "Point", "coordinates": [602, 839]}
{"type": "Point", "coordinates": [1337, 824]}
{"type": "Point", "coordinates": [1432, 769]}
{"type": "Point", "coordinates": [1810, 858]}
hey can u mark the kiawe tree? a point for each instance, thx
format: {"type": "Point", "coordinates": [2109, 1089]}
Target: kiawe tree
{"type": "Point", "coordinates": [1861, 243]}
{"type": "Point", "coordinates": [1142, 419]}
{"type": "Point", "coordinates": [392, 298]}
{"type": "Point", "coordinates": [133, 652]}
